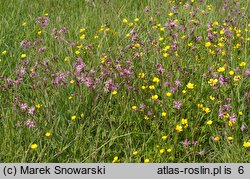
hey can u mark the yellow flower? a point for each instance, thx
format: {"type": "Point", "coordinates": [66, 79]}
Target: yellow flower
{"type": "Point", "coordinates": [4, 52]}
{"type": "Point", "coordinates": [39, 32]}
{"type": "Point", "coordinates": [156, 80]}
{"type": "Point", "coordinates": [116, 159]}
{"type": "Point", "coordinates": [169, 150]}
{"type": "Point", "coordinates": [73, 118]}
{"type": "Point", "coordinates": [184, 91]}
{"type": "Point", "coordinates": [38, 106]}
{"type": "Point", "coordinates": [230, 138]}
{"type": "Point", "coordinates": [125, 21]}
{"type": "Point", "coordinates": [24, 24]}
{"type": "Point", "coordinates": [242, 64]}
{"type": "Point", "coordinates": [136, 19]}
{"type": "Point", "coordinates": [135, 152]}
{"type": "Point", "coordinates": [141, 75]}
{"type": "Point", "coordinates": [130, 24]}
{"type": "Point", "coordinates": [206, 110]}
{"type": "Point", "coordinates": [165, 55]}
{"type": "Point", "coordinates": [163, 114]}
{"type": "Point", "coordinates": [79, 46]}
{"type": "Point", "coordinates": [66, 59]}
{"type": "Point", "coordinates": [23, 56]}
{"type": "Point", "coordinates": [221, 69]}
{"type": "Point", "coordinates": [162, 29]}
{"type": "Point", "coordinates": [246, 144]}
{"type": "Point", "coordinates": [211, 98]}
{"type": "Point", "coordinates": [77, 52]}
{"type": "Point", "coordinates": [154, 97]}
{"type": "Point", "coordinates": [168, 94]}
{"type": "Point", "coordinates": [217, 138]}
{"type": "Point", "coordinates": [72, 81]}
{"type": "Point", "coordinates": [200, 105]}
{"type": "Point", "coordinates": [70, 97]}
{"type": "Point", "coordinates": [127, 35]}
{"type": "Point", "coordinates": [178, 128]}
{"type": "Point", "coordinates": [220, 45]}
{"type": "Point", "coordinates": [151, 87]}
{"type": "Point", "coordinates": [146, 160]}
{"type": "Point", "coordinates": [237, 78]}
{"type": "Point", "coordinates": [209, 122]}
{"type": "Point", "coordinates": [114, 92]}
{"type": "Point", "coordinates": [230, 123]}
{"type": "Point", "coordinates": [231, 72]}
{"type": "Point", "coordinates": [215, 23]}
{"type": "Point", "coordinates": [161, 39]}
{"type": "Point", "coordinates": [47, 134]}
{"type": "Point", "coordinates": [82, 37]}
{"type": "Point", "coordinates": [170, 14]}
{"type": "Point", "coordinates": [190, 44]}
{"type": "Point", "coordinates": [207, 44]}
{"type": "Point", "coordinates": [190, 86]}
{"type": "Point", "coordinates": [82, 30]}
{"type": "Point", "coordinates": [240, 113]}
{"type": "Point", "coordinates": [134, 107]}
{"type": "Point", "coordinates": [33, 146]}
{"type": "Point", "coordinates": [137, 45]}
{"type": "Point", "coordinates": [146, 117]}
{"type": "Point", "coordinates": [143, 87]}
{"type": "Point", "coordinates": [213, 82]}
{"type": "Point", "coordinates": [225, 115]}
{"type": "Point", "coordinates": [184, 121]}
{"type": "Point", "coordinates": [166, 48]}
{"type": "Point", "coordinates": [164, 137]}
{"type": "Point", "coordinates": [162, 151]}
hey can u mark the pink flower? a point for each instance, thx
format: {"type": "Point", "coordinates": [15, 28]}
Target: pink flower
{"type": "Point", "coordinates": [24, 106]}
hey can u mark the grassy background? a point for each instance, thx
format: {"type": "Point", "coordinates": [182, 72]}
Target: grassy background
{"type": "Point", "coordinates": [109, 127]}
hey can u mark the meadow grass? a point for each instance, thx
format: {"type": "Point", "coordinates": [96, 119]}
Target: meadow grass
{"type": "Point", "coordinates": [124, 81]}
